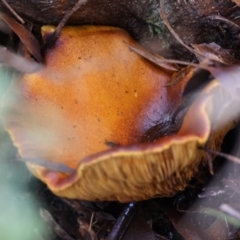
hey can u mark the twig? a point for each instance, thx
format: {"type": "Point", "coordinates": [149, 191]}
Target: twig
{"type": "Point", "coordinates": [53, 38]}
{"type": "Point", "coordinates": [13, 11]}
{"type": "Point", "coordinates": [123, 222]}
{"type": "Point", "coordinates": [91, 222]}
{"type": "Point", "coordinates": [227, 21]}
{"type": "Point", "coordinates": [225, 155]}
{"type": "Point", "coordinates": [165, 20]}
{"type": "Point", "coordinates": [153, 58]}
{"type": "Point", "coordinates": [158, 61]}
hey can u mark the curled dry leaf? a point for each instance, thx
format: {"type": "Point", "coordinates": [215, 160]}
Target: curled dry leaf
{"type": "Point", "coordinates": [27, 38]}
{"type": "Point", "coordinates": [158, 60]}
{"type": "Point", "coordinates": [186, 72]}
{"type": "Point", "coordinates": [213, 52]}
{"type": "Point", "coordinates": [93, 89]}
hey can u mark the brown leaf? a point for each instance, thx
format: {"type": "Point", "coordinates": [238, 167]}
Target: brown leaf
{"type": "Point", "coordinates": [213, 52]}
{"type": "Point", "coordinates": [29, 41]}
{"type": "Point", "coordinates": [184, 73]}
{"type": "Point", "coordinates": [158, 60]}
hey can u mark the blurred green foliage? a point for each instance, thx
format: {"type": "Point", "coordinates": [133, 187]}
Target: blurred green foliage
{"type": "Point", "coordinates": [223, 216]}
{"type": "Point", "coordinates": [19, 216]}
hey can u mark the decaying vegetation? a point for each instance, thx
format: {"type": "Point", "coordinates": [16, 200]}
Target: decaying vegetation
{"type": "Point", "coordinates": [169, 164]}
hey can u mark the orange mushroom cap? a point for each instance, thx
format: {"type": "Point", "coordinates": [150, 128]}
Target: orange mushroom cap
{"type": "Point", "coordinates": [94, 92]}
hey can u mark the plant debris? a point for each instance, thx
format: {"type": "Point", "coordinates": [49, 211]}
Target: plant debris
{"type": "Point", "coordinates": [197, 40]}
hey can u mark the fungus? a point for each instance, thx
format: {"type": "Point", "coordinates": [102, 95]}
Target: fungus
{"type": "Point", "coordinates": [94, 94]}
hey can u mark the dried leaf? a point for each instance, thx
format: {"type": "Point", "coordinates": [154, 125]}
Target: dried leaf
{"type": "Point", "coordinates": [213, 52]}
{"type": "Point", "coordinates": [27, 38]}
{"type": "Point", "coordinates": [169, 64]}
{"type": "Point", "coordinates": [158, 60]}
{"type": "Point", "coordinates": [186, 72]}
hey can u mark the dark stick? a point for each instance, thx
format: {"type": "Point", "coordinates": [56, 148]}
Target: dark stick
{"type": "Point", "coordinates": [123, 222]}
{"type": "Point", "coordinates": [225, 155]}
{"type": "Point", "coordinates": [53, 38]}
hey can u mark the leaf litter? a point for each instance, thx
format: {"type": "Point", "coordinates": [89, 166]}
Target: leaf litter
{"type": "Point", "coordinates": [219, 62]}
